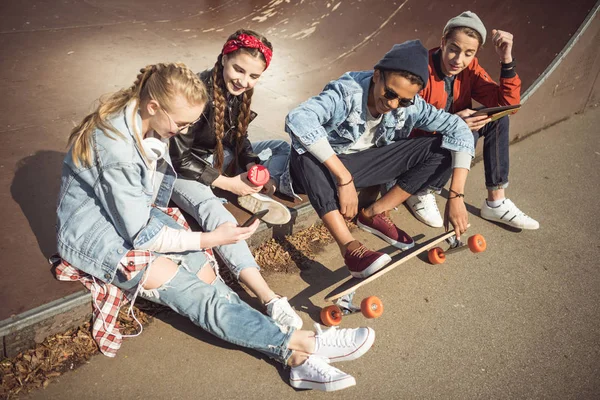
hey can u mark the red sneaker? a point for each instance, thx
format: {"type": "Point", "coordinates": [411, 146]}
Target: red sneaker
{"type": "Point", "coordinates": [362, 262]}
{"type": "Point", "coordinates": [380, 225]}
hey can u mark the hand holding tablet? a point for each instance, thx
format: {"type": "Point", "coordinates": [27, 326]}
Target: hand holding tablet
{"type": "Point", "coordinates": [496, 112]}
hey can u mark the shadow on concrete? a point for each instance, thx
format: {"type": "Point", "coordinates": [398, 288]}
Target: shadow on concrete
{"type": "Point", "coordinates": [183, 324]}
{"type": "Point", "coordinates": [319, 278]}
{"type": "Point", "coordinates": [35, 188]}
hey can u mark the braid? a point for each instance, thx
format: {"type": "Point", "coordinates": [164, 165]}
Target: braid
{"type": "Point", "coordinates": [191, 77]}
{"type": "Point", "coordinates": [244, 112]}
{"type": "Point", "coordinates": [160, 82]}
{"type": "Point", "coordinates": [219, 112]}
{"type": "Point", "coordinates": [243, 121]}
{"type": "Point", "coordinates": [140, 80]}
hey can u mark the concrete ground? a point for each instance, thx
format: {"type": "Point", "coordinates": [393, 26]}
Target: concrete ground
{"type": "Point", "coordinates": [520, 320]}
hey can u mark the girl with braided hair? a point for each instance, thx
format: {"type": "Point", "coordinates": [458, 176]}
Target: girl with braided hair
{"type": "Point", "coordinates": [216, 152]}
{"type": "Point", "coordinates": [117, 236]}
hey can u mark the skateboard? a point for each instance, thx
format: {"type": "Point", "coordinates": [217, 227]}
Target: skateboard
{"type": "Point", "coordinates": [372, 307]}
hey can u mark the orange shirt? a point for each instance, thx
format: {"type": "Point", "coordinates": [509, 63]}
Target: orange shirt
{"type": "Point", "coordinates": [472, 83]}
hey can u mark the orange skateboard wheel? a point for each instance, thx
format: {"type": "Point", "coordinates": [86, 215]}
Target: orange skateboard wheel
{"type": "Point", "coordinates": [371, 307]}
{"type": "Point", "coordinates": [436, 256]}
{"type": "Point", "coordinates": [331, 315]}
{"type": "Point", "coordinates": [477, 243]}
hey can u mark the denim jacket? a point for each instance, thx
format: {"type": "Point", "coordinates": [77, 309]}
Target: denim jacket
{"type": "Point", "coordinates": [339, 114]}
{"type": "Point", "coordinates": [107, 209]}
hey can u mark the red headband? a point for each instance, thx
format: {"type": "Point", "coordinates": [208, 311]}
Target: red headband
{"type": "Point", "coordinates": [250, 42]}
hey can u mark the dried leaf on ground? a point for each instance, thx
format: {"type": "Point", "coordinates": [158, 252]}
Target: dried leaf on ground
{"type": "Point", "coordinates": [295, 252]}
{"type": "Point", "coordinates": [35, 368]}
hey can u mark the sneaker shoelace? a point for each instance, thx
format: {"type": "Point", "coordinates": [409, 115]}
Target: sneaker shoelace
{"type": "Point", "coordinates": [387, 220]}
{"type": "Point", "coordinates": [512, 207]}
{"type": "Point", "coordinates": [334, 336]}
{"type": "Point", "coordinates": [359, 252]}
{"type": "Point", "coordinates": [520, 213]}
{"type": "Point", "coordinates": [321, 366]}
{"type": "Point", "coordinates": [428, 201]}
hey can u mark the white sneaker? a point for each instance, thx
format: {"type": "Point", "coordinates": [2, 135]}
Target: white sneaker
{"type": "Point", "coordinates": [343, 344]}
{"type": "Point", "coordinates": [425, 209]}
{"type": "Point", "coordinates": [280, 310]}
{"type": "Point", "coordinates": [508, 213]}
{"type": "Point", "coordinates": [316, 373]}
{"type": "Point", "coordinates": [278, 213]}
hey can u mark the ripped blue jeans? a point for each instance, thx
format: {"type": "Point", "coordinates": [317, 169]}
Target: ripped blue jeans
{"type": "Point", "coordinates": [214, 307]}
{"type": "Point", "coordinates": [199, 201]}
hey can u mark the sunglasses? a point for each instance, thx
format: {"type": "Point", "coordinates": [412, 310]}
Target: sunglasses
{"type": "Point", "coordinates": [181, 127]}
{"type": "Point", "coordinates": [391, 95]}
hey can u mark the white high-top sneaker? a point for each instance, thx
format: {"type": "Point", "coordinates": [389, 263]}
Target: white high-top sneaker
{"type": "Point", "coordinates": [316, 373]}
{"type": "Point", "coordinates": [508, 213]}
{"type": "Point", "coordinates": [338, 344]}
{"type": "Point", "coordinates": [425, 209]}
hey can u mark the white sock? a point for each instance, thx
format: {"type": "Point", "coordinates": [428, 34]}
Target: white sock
{"type": "Point", "coordinates": [495, 203]}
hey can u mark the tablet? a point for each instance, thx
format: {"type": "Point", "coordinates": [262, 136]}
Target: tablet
{"type": "Point", "coordinates": [492, 111]}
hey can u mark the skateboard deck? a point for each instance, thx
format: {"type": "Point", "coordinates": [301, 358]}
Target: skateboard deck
{"type": "Point", "coordinates": [352, 284]}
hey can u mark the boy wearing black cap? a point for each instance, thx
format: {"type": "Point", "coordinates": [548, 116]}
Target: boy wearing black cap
{"type": "Point", "coordinates": [354, 134]}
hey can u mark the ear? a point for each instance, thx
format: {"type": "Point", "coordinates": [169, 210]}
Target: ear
{"type": "Point", "coordinates": [224, 60]}
{"type": "Point", "coordinates": [442, 42]}
{"type": "Point", "coordinates": [152, 107]}
{"type": "Point", "coordinates": [376, 76]}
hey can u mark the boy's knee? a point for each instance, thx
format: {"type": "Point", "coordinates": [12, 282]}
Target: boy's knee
{"type": "Point", "coordinates": [504, 123]}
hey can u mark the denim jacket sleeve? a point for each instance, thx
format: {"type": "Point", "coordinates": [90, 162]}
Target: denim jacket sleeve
{"type": "Point", "coordinates": [456, 133]}
{"type": "Point", "coordinates": [126, 200]}
{"type": "Point", "coordinates": [307, 122]}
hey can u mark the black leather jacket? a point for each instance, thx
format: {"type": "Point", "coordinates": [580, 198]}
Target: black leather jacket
{"type": "Point", "coordinates": [189, 151]}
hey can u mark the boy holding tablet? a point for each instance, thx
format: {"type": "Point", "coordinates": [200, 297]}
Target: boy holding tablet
{"type": "Point", "coordinates": [455, 79]}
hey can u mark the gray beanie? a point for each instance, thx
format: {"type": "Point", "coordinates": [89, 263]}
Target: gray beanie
{"type": "Point", "coordinates": [409, 56]}
{"type": "Point", "coordinates": [470, 20]}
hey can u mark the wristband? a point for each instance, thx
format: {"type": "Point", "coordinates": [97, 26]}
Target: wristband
{"type": "Point", "coordinates": [509, 65]}
{"type": "Point", "coordinates": [457, 195]}
{"type": "Point", "coordinates": [347, 183]}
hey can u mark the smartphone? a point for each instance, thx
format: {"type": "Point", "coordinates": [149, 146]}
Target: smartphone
{"type": "Point", "coordinates": [493, 110]}
{"type": "Point", "coordinates": [254, 217]}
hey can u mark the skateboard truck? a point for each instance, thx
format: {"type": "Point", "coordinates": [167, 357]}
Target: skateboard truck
{"type": "Point", "coordinates": [345, 304]}
{"type": "Point", "coordinates": [476, 244]}
{"type": "Point", "coordinates": [370, 307]}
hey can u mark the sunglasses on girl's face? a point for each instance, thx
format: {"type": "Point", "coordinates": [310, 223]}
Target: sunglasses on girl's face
{"type": "Point", "coordinates": [391, 95]}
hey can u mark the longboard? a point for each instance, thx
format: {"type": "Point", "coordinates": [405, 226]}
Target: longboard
{"type": "Point", "coordinates": [352, 284]}
{"type": "Point", "coordinates": [371, 307]}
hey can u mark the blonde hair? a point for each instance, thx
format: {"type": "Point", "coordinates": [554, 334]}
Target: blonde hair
{"type": "Point", "coordinates": [220, 103]}
{"type": "Point", "coordinates": [160, 82]}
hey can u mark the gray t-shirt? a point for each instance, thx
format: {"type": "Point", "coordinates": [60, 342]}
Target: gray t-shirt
{"type": "Point", "coordinates": [367, 140]}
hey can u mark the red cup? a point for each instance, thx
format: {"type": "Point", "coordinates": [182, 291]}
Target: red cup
{"type": "Point", "coordinates": [258, 175]}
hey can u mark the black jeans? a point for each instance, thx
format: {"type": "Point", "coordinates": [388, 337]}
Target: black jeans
{"type": "Point", "coordinates": [413, 163]}
{"type": "Point", "coordinates": [495, 155]}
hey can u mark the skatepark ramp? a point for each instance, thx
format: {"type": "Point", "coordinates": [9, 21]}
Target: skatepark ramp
{"type": "Point", "coordinates": [57, 60]}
